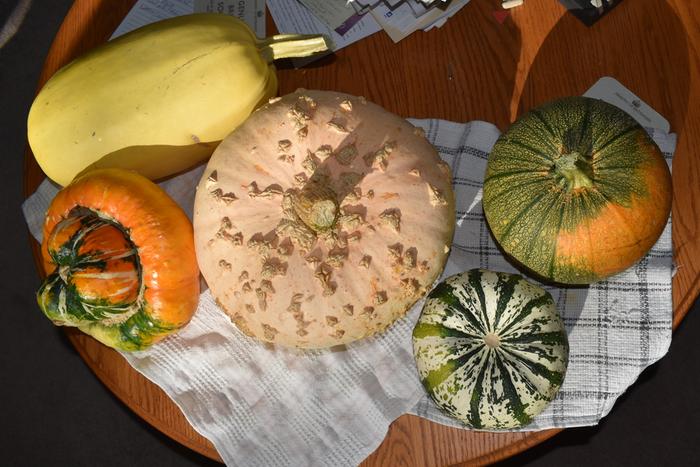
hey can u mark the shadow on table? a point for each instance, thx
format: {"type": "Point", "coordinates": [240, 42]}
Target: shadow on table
{"type": "Point", "coordinates": [644, 46]}
{"type": "Point", "coordinates": [641, 44]}
{"type": "Point", "coordinates": [462, 71]}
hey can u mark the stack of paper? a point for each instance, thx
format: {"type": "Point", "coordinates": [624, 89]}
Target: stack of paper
{"type": "Point", "coordinates": [150, 11]}
{"type": "Point", "coordinates": [400, 18]}
{"type": "Point", "coordinates": [291, 16]}
{"type": "Point", "coordinates": [347, 21]}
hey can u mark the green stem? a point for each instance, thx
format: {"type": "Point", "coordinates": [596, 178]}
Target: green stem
{"type": "Point", "coordinates": [572, 168]}
{"type": "Point", "coordinates": [292, 45]}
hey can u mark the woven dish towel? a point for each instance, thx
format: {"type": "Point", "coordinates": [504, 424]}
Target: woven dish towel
{"type": "Point", "coordinates": [262, 406]}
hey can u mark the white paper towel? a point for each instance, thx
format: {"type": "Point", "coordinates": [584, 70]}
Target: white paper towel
{"type": "Point", "coordinates": [263, 406]}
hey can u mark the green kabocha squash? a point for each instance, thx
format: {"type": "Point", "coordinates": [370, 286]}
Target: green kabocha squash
{"type": "Point", "coordinates": [576, 191]}
{"type": "Point", "coordinates": [490, 349]}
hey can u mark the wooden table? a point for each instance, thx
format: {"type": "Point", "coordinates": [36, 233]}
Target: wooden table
{"type": "Point", "coordinates": [474, 67]}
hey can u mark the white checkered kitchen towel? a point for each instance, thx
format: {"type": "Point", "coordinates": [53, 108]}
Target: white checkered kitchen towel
{"type": "Point", "coordinates": [266, 406]}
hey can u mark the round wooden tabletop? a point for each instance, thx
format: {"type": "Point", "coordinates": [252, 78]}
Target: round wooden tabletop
{"type": "Point", "coordinates": [479, 65]}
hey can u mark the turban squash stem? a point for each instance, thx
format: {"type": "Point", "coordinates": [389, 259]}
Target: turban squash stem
{"type": "Point", "coordinates": [119, 254]}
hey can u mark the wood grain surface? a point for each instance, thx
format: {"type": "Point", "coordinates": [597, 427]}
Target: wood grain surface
{"type": "Point", "coordinates": [474, 67]}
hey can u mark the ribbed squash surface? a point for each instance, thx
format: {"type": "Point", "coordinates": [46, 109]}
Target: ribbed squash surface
{"type": "Point", "coordinates": [120, 262]}
{"type": "Point", "coordinates": [576, 190]}
{"type": "Point", "coordinates": [490, 349]}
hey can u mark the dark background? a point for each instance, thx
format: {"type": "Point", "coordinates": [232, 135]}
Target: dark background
{"type": "Point", "coordinates": [56, 412]}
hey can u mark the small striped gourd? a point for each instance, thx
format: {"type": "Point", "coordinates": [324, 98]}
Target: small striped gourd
{"type": "Point", "coordinates": [490, 348]}
{"type": "Point", "coordinates": [576, 191]}
{"type": "Point", "coordinates": [120, 262]}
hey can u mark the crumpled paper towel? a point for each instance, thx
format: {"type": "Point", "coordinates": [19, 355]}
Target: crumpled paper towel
{"type": "Point", "coordinates": [262, 405]}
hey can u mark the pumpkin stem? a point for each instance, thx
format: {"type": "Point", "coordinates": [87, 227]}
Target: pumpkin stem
{"type": "Point", "coordinates": [317, 206]}
{"type": "Point", "coordinates": [575, 170]}
{"type": "Point", "coordinates": [292, 45]}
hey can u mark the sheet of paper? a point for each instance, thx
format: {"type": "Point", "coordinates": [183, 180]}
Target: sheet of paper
{"type": "Point", "coordinates": [149, 11]}
{"type": "Point", "coordinates": [446, 14]}
{"type": "Point", "coordinates": [250, 11]}
{"type": "Point", "coordinates": [410, 17]}
{"type": "Point", "coordinates": [333, 13]}
{"type": "Point", "coordinates": [348, 24]}
{"type": "Point", "coordinates": [613, 92]}
{"type": "Point", "coordinates": [292, 17]}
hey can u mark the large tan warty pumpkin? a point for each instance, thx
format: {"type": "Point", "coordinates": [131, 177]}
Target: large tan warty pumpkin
{"type": "Point", "coordinates": [322, 219]}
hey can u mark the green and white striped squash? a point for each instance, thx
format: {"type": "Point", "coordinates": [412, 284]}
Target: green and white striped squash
{"type": "Point", "coordinates": [576, 191]}
{"type": "Point", "coordinates": [490, 348]}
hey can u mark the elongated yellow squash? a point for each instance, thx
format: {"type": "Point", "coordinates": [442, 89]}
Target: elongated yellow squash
{"type": "Point", "coordinates": [159, 99]}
